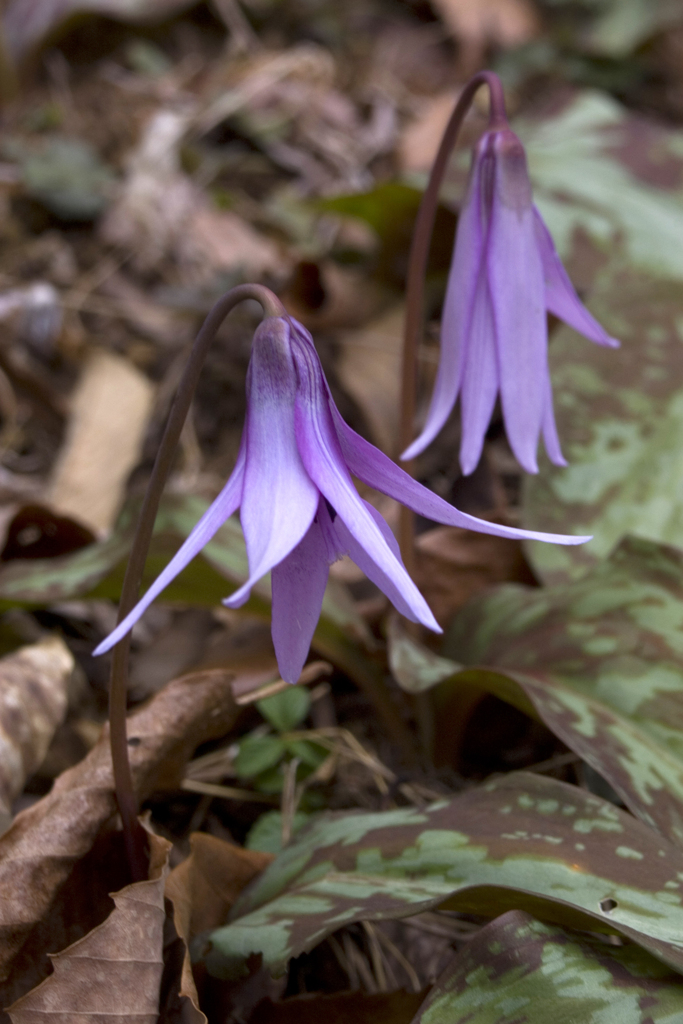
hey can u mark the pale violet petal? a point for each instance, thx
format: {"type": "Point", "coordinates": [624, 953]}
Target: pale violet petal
{"type": "Point", "coordinates": [480, 379]}
{"type": "Point", "coordinates": [279, 499]}
{"type": "Point", "coordinates": [550, 436]}
{"type": "Point", "coordinates": [298, 586]}
{"type": "Point", "coordinates": [463, 276]}
{"type": "Point", "coordinates": [218, 512]}
{"type": "Point", "coordinates": [376, 469]}
{"type": "Point", "coordinates": [322, 457]}
{"type": "Point", "coordinates": [365, 561]}
{"type": "Point", "coordinates": [560, 296]}
{"type": "Point", "coordinates": [518, 298]}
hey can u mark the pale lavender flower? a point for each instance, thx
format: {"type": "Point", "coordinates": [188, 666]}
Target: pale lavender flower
{"type": "Point", "coordinates": [299, 508]}
{"type": "Point", "coordinates": [505, 274]}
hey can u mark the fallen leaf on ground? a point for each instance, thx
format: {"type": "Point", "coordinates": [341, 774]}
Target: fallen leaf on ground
{"type": "Point", "coordinates": [369, 369]}
{"type": "Point", "coordinates": [33, 702]}
{"type": "Point", "coordinates": [203, 889]}
{"type": "Point", "coordinates": [453, 565]}
{"type": "Point", "coordinates": [109, 414]}
{"type": "Point", "coordinates": [504, 23]}
{"type": "Point", "coordinates": [421, 137]}
{"type": "Point", "coordinates": [115, 970]}
{"type": "Point", "coordinates": [47, 840]}
{"type": "Point", "coordinates": [160, 212]}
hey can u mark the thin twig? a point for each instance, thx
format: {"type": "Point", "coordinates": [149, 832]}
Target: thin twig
{"type": "Point", "coordinates": [227, 792]}
{"type": "Point", "coordinates": [289, 799]}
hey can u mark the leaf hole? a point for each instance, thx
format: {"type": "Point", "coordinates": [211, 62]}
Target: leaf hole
{"type": "Point", "coordinates": [608, 905]}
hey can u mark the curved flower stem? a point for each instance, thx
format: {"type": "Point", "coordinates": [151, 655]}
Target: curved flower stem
{"type": "Point", "coordinates": [134, 835]}
{"type": "Point", "coordinates": [417, 269]}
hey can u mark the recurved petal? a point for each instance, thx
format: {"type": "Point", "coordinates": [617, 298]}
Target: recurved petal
{"type": "Point", "coordinates": [458, 309]}
{"type": "Point", "coordinates": [560, 297]}
{"type": "Point", "coordinates": [221, 509]}
{"type": "Point", "coordinates": [367, 564]}
{"type": "Point", "coordinates": [322, 457]}
{"type": "Point", "coordinates": [550, 436]}
{"type": "Point", "coordinates": [279, 499]}
{"type": "Point", "coordinates": [518, 300]}
{"type": "Point", "coordinates": [298, 586]}
{"type": "Point", "coordinates": [374, 468]}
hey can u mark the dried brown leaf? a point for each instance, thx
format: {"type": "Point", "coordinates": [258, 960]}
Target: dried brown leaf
{"type": "Point", "coordinates": [33, 702]}
{"type": "Point", "coordinates": [115, 970]}
{"type": "Point", "coordinates": [369, 368]}
{"type": "Point", "coordinates": [160, 213]}
{"type": "Point", "coordinates": [203, 889]}
{"type": "Point", "coordinates": [109, 414]}
{"type": "Point", "coordinates": [420, 139]}
{"type": "Point", "coordinates": [46, 841]}
{"type": "Point", "coordinates": [504, 23]}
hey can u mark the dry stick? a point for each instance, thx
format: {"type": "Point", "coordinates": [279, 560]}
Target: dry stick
{"type": "Point", "coordinates": [417, 269]}
{"type": "Point", "coordinates": [134, 834]}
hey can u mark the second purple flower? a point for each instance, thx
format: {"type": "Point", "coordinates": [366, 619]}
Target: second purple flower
{"type": "Point", "coordinates": [504, 276]}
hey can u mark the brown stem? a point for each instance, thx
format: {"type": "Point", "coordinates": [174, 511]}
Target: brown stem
{"type": "Point", "coordinates": [134, 835]}
{"type": "Point", "coordinates": [417, 269]}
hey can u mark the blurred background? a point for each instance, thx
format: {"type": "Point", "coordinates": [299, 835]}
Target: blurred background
{"type": "Point", "coordinates": [154, 153]}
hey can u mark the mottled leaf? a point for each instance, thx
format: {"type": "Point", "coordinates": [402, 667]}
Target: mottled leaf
{"type": "Point", "coordinates": [517, 969]}
{"type": "Point", "coordinates": [619, 180]}
{"type": "Point", "coordinates": [625, 24]}
{"type": "Point", "coordinates": [518, 842]}
{"type": "Point", "coordinates": [620, 417]}
{"type": "Point", "coordinates": [414, 667]}
{"type": "Point", "coordinates": [615, 176]}
{"type": "Point", "coordinates": [600, 661]}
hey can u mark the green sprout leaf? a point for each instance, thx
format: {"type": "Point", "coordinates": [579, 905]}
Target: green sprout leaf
{"type": "Point", "coordinates": [287, 709]}
{"type": "Point", "coordinates": [257, 754]}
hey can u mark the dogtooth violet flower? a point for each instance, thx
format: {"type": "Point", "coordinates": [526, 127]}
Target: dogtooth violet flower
{"type": "Point", "coordinates": [299, 508]}
{"type": "Point", "coordinates": [504, 276]}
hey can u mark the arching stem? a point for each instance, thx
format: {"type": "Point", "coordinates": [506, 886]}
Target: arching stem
{"type": "Point", "coordinates": [134, 834]}
{"type": "Point", "coordinates": [417, 269]}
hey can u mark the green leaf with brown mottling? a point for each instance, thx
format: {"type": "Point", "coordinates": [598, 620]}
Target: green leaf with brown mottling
{"type": "Point", "coordinates": [610, 187]}
{"type": "Point", "coordinates": [518, 970]}
{"type": "Point", "coordinates": [620, 418]}
{"type": "Point", "coordinates": [518, 842]}
{"type": "Point", "coordinates": [600, 661]}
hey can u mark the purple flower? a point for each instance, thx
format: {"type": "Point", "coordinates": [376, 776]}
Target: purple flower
{"type": "Point", "coordinates": [299, 508]}
{"type": "Point", "coordinates": [505, 274]}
